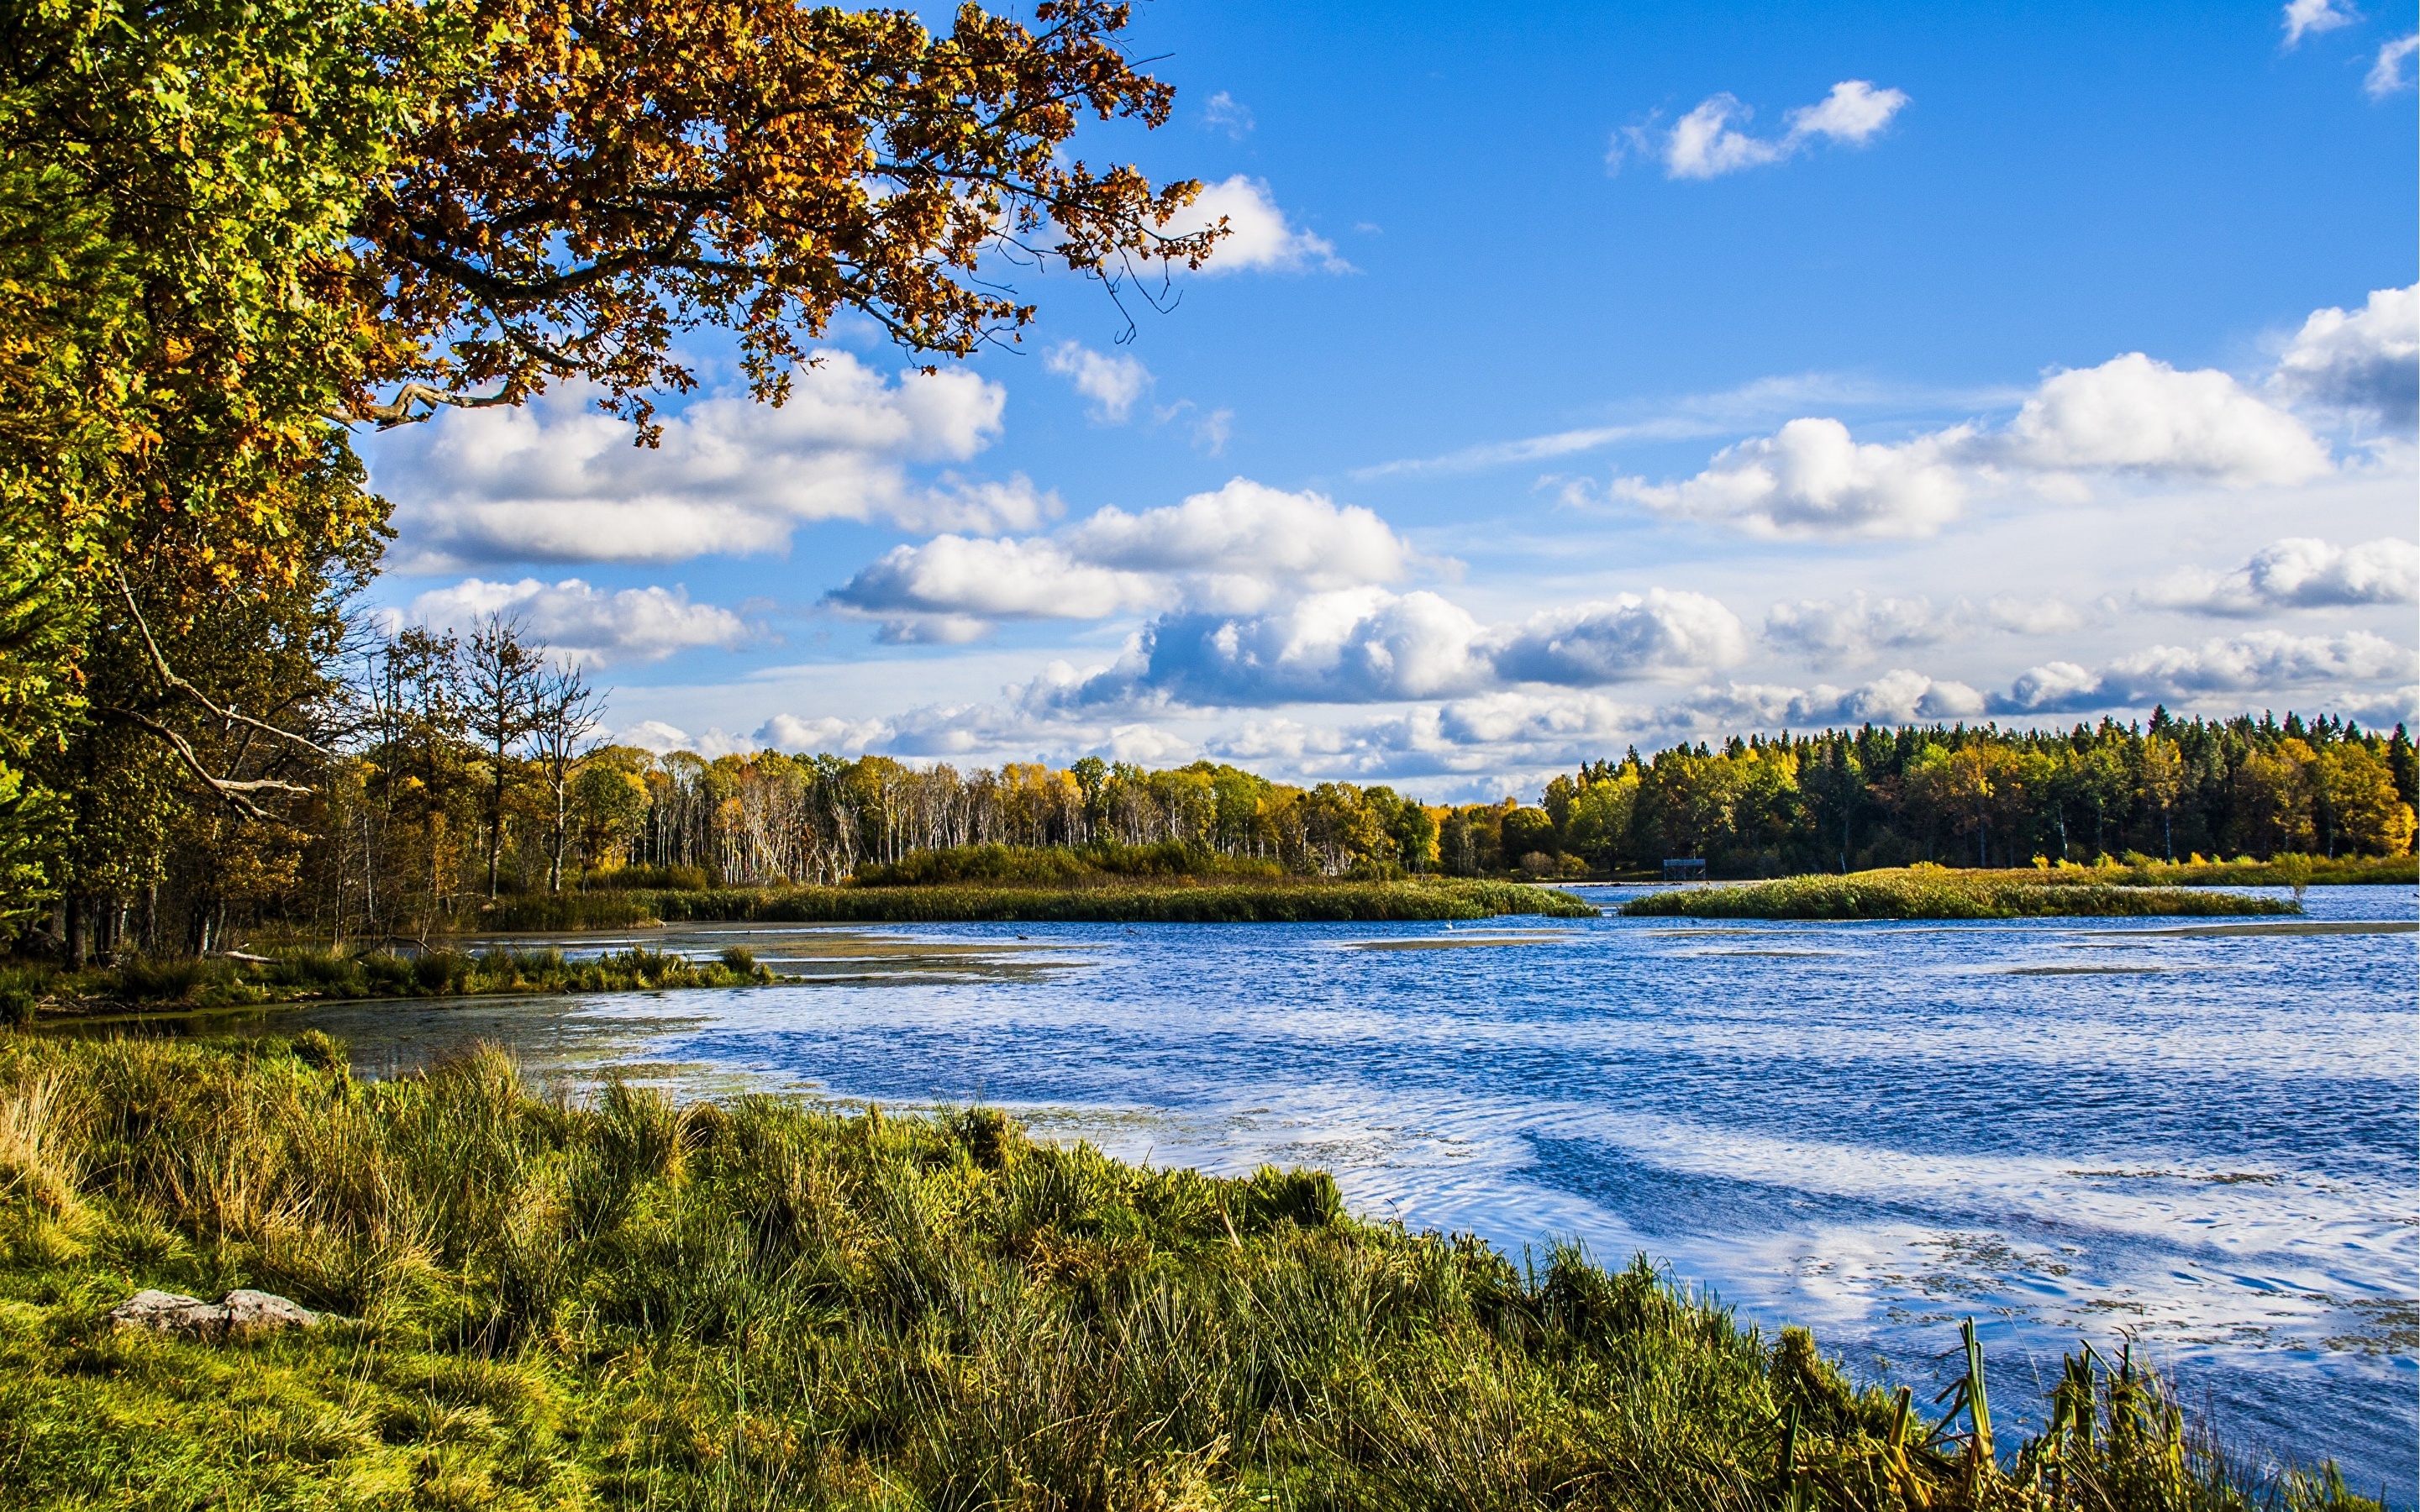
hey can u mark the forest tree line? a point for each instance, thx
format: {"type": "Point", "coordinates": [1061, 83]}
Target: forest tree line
{"type": "Point", "coordinates": [465, 769]}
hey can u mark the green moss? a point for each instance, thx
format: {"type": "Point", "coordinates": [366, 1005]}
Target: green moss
{"type": "Point", "coordinates": [764, 1305]}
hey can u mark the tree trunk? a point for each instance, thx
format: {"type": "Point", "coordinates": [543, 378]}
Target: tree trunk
{"type": "Point", "coordinates": [496, 821]}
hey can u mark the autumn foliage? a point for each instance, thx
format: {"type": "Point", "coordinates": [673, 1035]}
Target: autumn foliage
{"type": "Point", "coordinates": [596, 179]}
{"type": "Point", "coordinates": [230, 230]}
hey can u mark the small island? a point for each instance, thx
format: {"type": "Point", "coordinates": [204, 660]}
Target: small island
{"type": "Point", "coordinates": [1938, 892]}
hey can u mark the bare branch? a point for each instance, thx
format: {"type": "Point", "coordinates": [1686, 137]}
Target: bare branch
{"type": "Point", "coordinates": [237, 794]}
{"type": "Point", "coordinates": [401, 411]}
{"type": "Point", "coordinates": [177, 684]}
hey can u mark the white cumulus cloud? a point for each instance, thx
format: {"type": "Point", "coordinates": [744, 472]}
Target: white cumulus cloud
{"type": "Point", "coordinates": [1825, 631]}
{"type": "Point", "coordinates": [1236, 550]}
{"type": "Point", "coordinates": [663, 739]}
{"type": "Point", "coordinates": [1854, 112]}
{"type": "Point", "coordinates": [1243, 542]}
{"type": "Point", "coordinates": [2366, 359]}
{"type": "Point", "coordinates": [1611, 641]}
{"type": "Point", "coordinates": [1812, 477]}
{"type": "Point", "coordinates": [586, 626]}
{"type": "Point", "coordinates": [846, 737]}
{"type": "Point", "coordinates": [982, 579]}
{"type": "Point", "coordinates": [2299, 572]}
{"type": "Point", "coordinates": [1709, 141]}
{"type": "Point", "coordinates": [556, 481]}
{"type": "Point", "coordinates": [2258, 662]}
{"type": "Point", "coordinates": [1112, 382]}
{"type": "Point", "coordinates": [1368, 645]}
{"type": "Point", "coordinates": [1356, 645]}
{"type": "Point", "coordinates": [2134, 415]}
{"type": "Point", "coordinates": [1259, 236]}
{"type": "Point", "coordinates": [1897, 697]}
{"type": "Point", "coordinates": [2129, 416]}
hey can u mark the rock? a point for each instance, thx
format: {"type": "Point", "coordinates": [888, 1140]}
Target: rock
{"type": "Point", "coordinates": [241, 1311]}
{"type": "Point", "coordinates": [264, 1312]}
{"type": "Point", "coordinates": [169, 1312]}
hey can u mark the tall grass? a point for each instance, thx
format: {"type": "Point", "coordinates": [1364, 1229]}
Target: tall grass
{"type": "Point", "coordinates": [761, 1305]}
{"type": "Point", "coordinates": [1921, 892]}
{"type": "Point", "coordinates": [305, 974]}
{"type": "Point", "coordinates": [1167, 901]}
{"type": "Point", "coordinates": [2277, 871]}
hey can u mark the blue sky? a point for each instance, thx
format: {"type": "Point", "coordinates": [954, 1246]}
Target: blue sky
{"type": "Point", "coordinates": [1579, 377]}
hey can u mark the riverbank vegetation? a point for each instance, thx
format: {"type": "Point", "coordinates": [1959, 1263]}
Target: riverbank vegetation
{"type": "Point", "coordinates": [536, 1303]}
{"type": "Point", "coordinates": [1937, 892]}
{"type": "Point", "coordinates": [2288, 869]}
{"type": "Point", "coordinates": [610, 837]}
{"type": "Point", "coordinates": [308, 975]}
{"type": "Point", "coordinates": [1267, 901]}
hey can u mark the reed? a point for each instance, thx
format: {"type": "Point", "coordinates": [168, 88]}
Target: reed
{"type": "Point", "coordinates": [1932, 892]}
{"type": "Point", "coordinates": [760, 1305]}
{"type": "Point", "coordinates": [1093, 900]}
{"type": "Point", "coordinates": [312, 974]}
{"type": "Point", "coordinates": [2277, 871]}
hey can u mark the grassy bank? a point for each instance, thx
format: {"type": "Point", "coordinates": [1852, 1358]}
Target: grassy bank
{"type": "Point", "coordinates": [308, 975]}
{"type": "Point", "coordinates": [1933, 893]}
{"type": "Point", "coordinates": [1267, 901]}
{"type": "Point", "coordinates": [2281, 872]}
{"type": "Point", "coordinates": [759, 1306]}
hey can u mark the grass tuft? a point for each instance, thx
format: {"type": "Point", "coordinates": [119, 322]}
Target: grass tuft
{"type": "Point", "coordinates": [761, 1305]}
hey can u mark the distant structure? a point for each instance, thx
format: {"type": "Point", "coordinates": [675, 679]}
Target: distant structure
{"type": "Point", "coordinates": [1684, 869]}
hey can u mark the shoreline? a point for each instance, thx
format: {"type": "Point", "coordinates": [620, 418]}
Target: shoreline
{"type": "Point", "coordinates": [624, 1299]}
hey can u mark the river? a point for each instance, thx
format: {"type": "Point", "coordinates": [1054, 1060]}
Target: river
{"type": "Point", "coordinates": [2206, 1139]}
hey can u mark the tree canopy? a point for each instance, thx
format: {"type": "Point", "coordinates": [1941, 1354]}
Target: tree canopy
{"type": "Point", "coordinates": [229, 229]}
{"type": "Point", "coordinates": [606, 175]}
